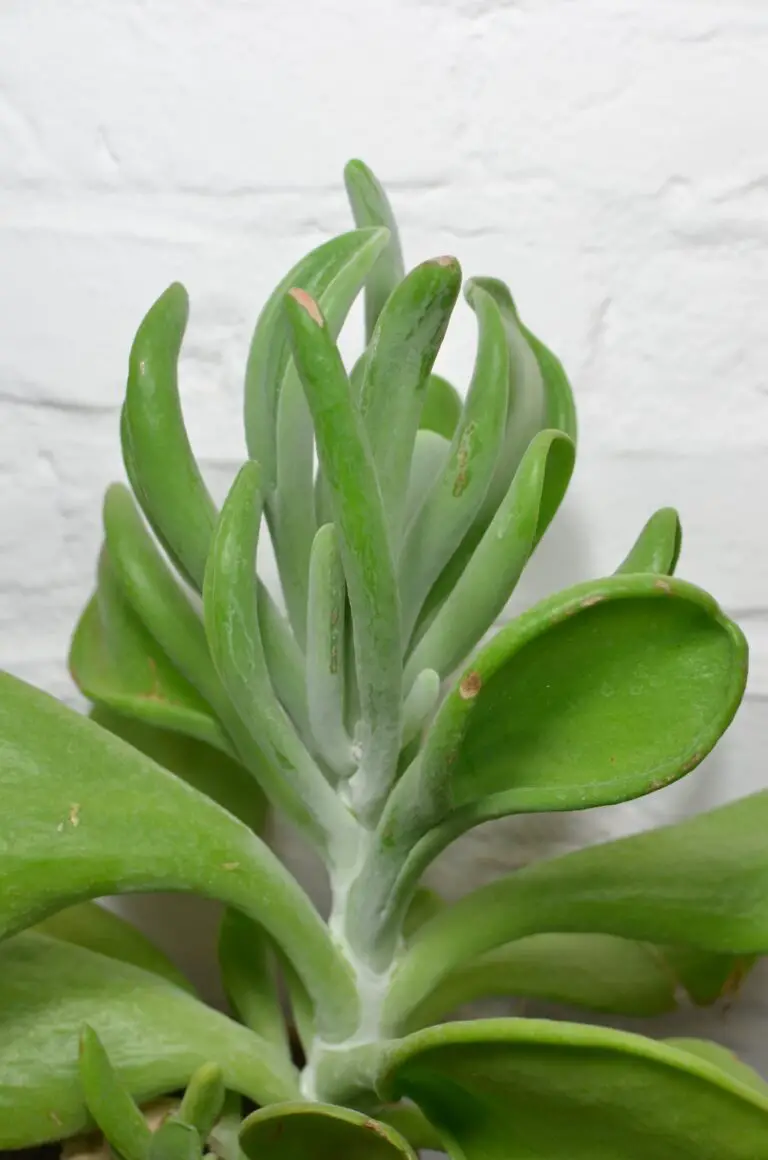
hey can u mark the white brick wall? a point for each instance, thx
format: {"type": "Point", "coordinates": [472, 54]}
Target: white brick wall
{"type": "Point", "coordinates": [607, 157]}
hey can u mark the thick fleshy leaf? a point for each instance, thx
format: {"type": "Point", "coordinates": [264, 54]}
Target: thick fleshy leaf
{"type": "Point", "coordinates": [657, 548]}
{"type": "Point", "coordinates": [398, 362]}
{"type": "Point", "coordinates": [111, 1105]}
{"type": "Point", "coordinates": [292, 507]}
{"type": "Point", "coordinates": [155, 1035]}
{"type": "Point", "coordinates": [430, 453]}
{"type": "Point", "coordinates": [158, 458]}
{"type": "Point", "coordinates": [290, 778]}
{"type": "Point", "coordinates": [597, 695]}
{"type": "Point", "coordinates": [370, 207]}
{"type": "Point", "coordinates": [722, 1058]}
{"type": "Point", "coordinates": [594, 971]}
{"type": "Point", "coordinates": [248, 971]}
{"type": "Point", "coordinates": [115, 661]}
{"type": "Point", "coordinates": [454, 499]}
{"type": "Point", "coordinates": [501, 1088]}
{"type": "Point", "coordinates": [490, 576]}
{"type": "Point", "coordinates": [326, 653]}
{"type": "Point", "coordinates": [95, 928]}
{"type": "Point", "coordinates": [86, 816]}
{"type": "Point", "coordinates": [203, 1100]}
{"type": "Point", "coordinates": [201, 766]}
{"type": "Point", "coordinates": [441, 412]}
{"type": "Point", "coordinates": [319, 1132]}
{"type": "Point", "coordinates": [701, 883]}
{"type": "Point", "coordinates": [175, 1140]}
{"type": "Point", "coordinates": [347, 462]}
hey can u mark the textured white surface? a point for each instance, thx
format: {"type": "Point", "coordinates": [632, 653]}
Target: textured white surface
{"type": "Point", "coordinates": [607, 157]}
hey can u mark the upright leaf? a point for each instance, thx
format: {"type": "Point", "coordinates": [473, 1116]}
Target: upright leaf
{"type": "Point", "coordinates": [513, 1087]}
{"type": "Point", "coordinates": [370, 207]}
{"type": "Point", "coordinates": [326, 652]}
{"type": "Point", "coordinates": [249, 975]}
{"type": "Point", "coordinates": [111, 1105]}
{"type": "Point", "coordinates": [441, 412]}
{"type": "Point", "coordinates": [203, 1100]}
{"type": "Point", "coordinates": [155, 1035]}
{"type": "Point", "coordinates": [657, 548]}
{"type": "Point", "coordinates": [158, 458]}
{"type": "Point", "coordinates": [86, 816]}
{"type": "Point", "coordinates": [359, 516]}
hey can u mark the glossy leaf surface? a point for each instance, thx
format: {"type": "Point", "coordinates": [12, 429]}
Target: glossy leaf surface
{"type": "Point", "coordinates": [319, 1132]}
{"type": "Point", "coordinates": [495, 1089]}
{"type": "Point", "coordinates": [87, 816]}
{"type": "Point", "coordinates": [155, 1035]}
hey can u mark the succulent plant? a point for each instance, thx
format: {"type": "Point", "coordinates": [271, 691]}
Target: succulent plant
{"type": "Point", "coordinates": [374, 715]}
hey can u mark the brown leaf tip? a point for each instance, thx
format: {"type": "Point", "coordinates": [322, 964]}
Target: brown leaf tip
{"type": "Point", "coordinates": [307, 302]}
{"type": "Point", "coordinates": [470, 686]}
{"type": "Point", "coordinates": [446, 260]}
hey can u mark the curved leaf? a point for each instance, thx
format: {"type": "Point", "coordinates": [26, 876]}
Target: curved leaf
{"type": "Point", "coordinates": [454, 499]}
{"type": "Point", "coordinates": [498, 1088]}
{"type": "Point", "coordinates": [203, 1101]}
{"type": "Point", "coordinates": [594, 971]}
{"type": "Point", "coordinates": [156, 1036]}
{"type": "Point", "coordinates": [657, 548]}
{"type": "Point", "coordinates": [86, 816]}
{"type": "Point", "coordinates": [114, 1110]}
{"type": "Point", "coordinates": [250, 978]}
{"type": "Point", "coordinates": [701, 883]}
{"type": "Point", "coordinates": [326, 652]}
{"type": "Point", "coordinates": [199, 765]}
{"type": "Point", "coordinates": [442, 408]}
{"type": "Point", "coordinates": [115, 661]}
{"type": "Point", "coordinates": [319, 1132]}
{"type": "Point", "coordinates": [398, 361]}
{"type": "Point", "coordinates": [370, 207]}
{"type": "Point", "coordinates": [430, 453]}
{"type": "Point", "coordinates": [360, 520]}
{"type": "Point", "coordinates": [97, 929]}
{"type": "Point", "coordinates": [156, 450]}
{"type": "Point", "coordinates": [492, 572]}
{"type": "Point", "coordinates": [722, 1058]}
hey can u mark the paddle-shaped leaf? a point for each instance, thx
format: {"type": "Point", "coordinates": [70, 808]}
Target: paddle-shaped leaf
{"type": "Point", "coordinates": [85, 816]}
{"type": "Point", "coordinates": [155, 1035]}
{"type": "Point", "coordinates": [320, 1132]}
{"type": "Point", "coordinates": [530, 1088]}
{"type": "Point", "coordinates": [701, 883]}
{"type": "Point", "coordinates": [113, 1108]}
{"type": "Point", "coordinates": [95, 928]}
{"type": "Point", "coordinates": [454, 499]}
{"type": "Point", "coordinates": [594, 971]}
{"type": "Point", "coordinates": [158, 458]}
{"type": "Point", "coordinates": [657, 548]}
{"type": "Point", "coordinates": [347, 462]}
{"type": "Point", "coordinates": [370, 207]}
{"type": "Point", "coordinates": [398, 361]}
{"type": "Point", "coordinates": [206, 769]}
{"type": "Point", "coordinates": [597, 695]}
{"type": "Point", "coordinates": [496, 565]}
{"type": "Point", "coordinates": [115, 661]}
{"type": "Point", "coordinates": [442, 407]}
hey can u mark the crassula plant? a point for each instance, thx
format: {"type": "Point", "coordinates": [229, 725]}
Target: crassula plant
{"type": "Point", "coordinates": [374, 718]}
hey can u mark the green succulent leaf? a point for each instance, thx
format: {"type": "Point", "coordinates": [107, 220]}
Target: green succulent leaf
{"type": "Point", "coordinates": [116, 662]}
{"type": "Point", "coordinates": [290, 777]}
{"type": "Point", "coordinates": [708, 977]}
{"type": "Point", "coordinates": [657, 548]}
{"type": "Point", "coordinates": [114, 1110]}
{"type": "Point", "coordinates": [442, 408]}
{"type": "Point", "coordinates": [430, 454]}
{"type": "Point", "coordinates": [203, 1101]}
{"type": "Point", "coordinates": [319, 1132]}
{"type": "Point", "coordinates": [405, 342]}
{"type": "Point", "coordinates": [370, 207]}
{"type": "Point", "coordinates": [204, 768]}
{"type": "Point", "coordinates": [95, 928]}
{"type": "Point", "coordinates": [175, 1140]}
{"type": "Point", "coordinates": [326, 652]}
{"type": "Point", "coordinates": [155, 1035]}
{"type": "Point", "coordinates": [498, 1088]}
{"type": "Point", "coordinates": [701, 883]}
{"type": "Point", "coordinates": [723, 1059]}
{"type": "Point", "coordinates": [595, 971]}
{"type": "Point", "coordinates": [347, 463]}
{"type": "Point", "coordinates": [490, 576]}
{"type": "Point", "coordinates": [454, 499]}
{"type": "Point", "coordinates": [249, 974]}
{"type": "Point", "coordinates": [88, 816]}
{"type": "Point", "coordinates": [158, 458]}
